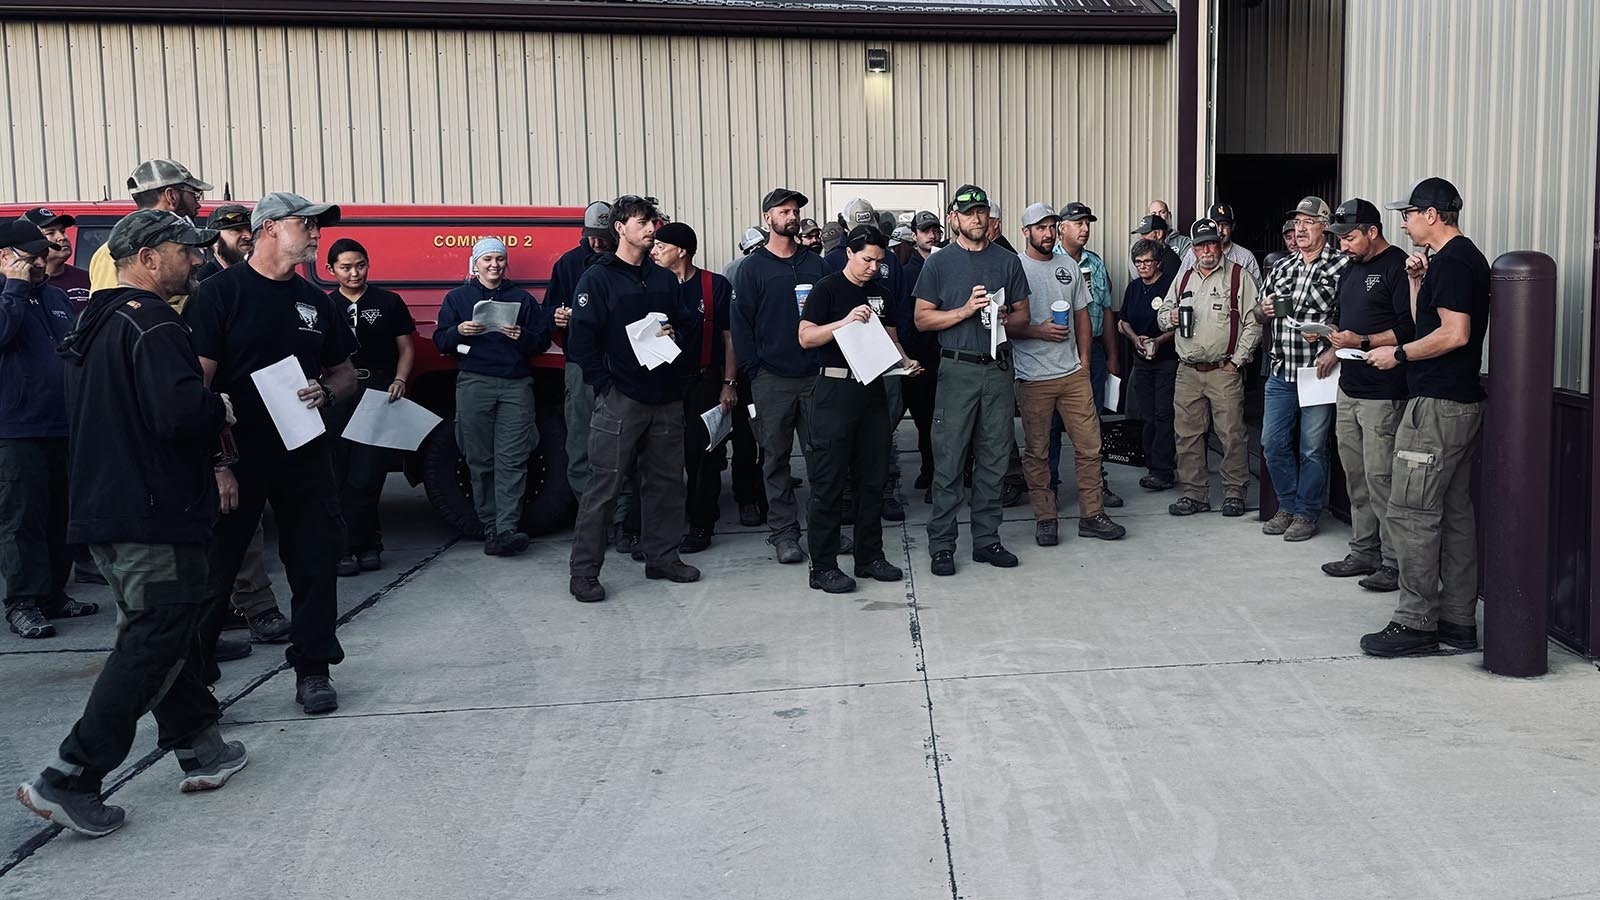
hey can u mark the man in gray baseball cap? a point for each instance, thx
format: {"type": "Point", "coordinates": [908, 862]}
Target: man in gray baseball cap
{"type": "Point", "coordinates": [155, 184]}
{"type": "Point", "coordinates": [280, 205]}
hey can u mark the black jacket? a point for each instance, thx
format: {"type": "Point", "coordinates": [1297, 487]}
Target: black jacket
{"type": "Point", "coordinates": [612, 295]}
{"type": "Point", "coordinates": [766, 315]}
{"type": "Point", "coordinates": [144, 425]}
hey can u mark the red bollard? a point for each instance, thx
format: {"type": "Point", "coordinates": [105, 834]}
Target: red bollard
{"type": "Point", "coordinates": [1515, 503]}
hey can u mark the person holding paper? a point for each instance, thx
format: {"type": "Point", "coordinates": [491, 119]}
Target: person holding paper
{"type": "Point", "coordinates": [494, 392]}
{"type": "Point", "coordinates": [850, 420]}
{"type": "Point", "coordinates": [246, 319]}
{"type": "Point", "coordinates": [638, 410]}
{"type": "Point", "coordinates": [1294, 439]}
{"type": "Point", "coordinates": [1155, 362]}
{"type": "Point", "coordinates": [1051, 335]}
{"type": "Point", "coordinates": [384, 330]}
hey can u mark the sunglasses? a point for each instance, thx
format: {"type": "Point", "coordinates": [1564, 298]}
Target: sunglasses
{"type": "Point", "coordinates": [972, 197]}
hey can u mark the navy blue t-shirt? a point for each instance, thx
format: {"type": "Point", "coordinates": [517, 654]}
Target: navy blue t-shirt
{"type": "Point", "coordinates": [1139, 304]}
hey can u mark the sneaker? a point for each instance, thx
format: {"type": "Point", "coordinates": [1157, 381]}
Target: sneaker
{"type": "Point", "coordinates": [68, 608]}
{"type": "Point", "coordinates": [315, 694]}
{"type": "Point", "coordinates": [1108, 497]}
{"type": "Point", "coordinates": [832, 581]}
{"type": "Point", "coordinates": [80, 811]}
{"type": "Point", "coordinates": [695, 541]}
{"type": "Point", "coordinates": [229, 650]}
{"type": "Point", "coordinates": [1386, 579]}
{"type": "Point", "coordinates": [1300, 529]}
{"type": "Point", "coordinates": [789, 551]}
{"type": "Point", "coordinates": [1463, 638]}
{"type": "Point", "coordinates": [1278, 524]}
{"type": "Point", "coordinates": [1188, 506]}
{"type": "Point", "coordinates": [750, 515]}
{"type": "Point", "coordinates": [586, 589]}
{"type": "Point", "coordinates": [491, 545]}
{"type": "Point", "coordinates": [1045, 533]}
{"type": "Point", "coordinates": [995, 555]}
{"type": "Point", "coordinates": [1100, 526]}
{"type": "Point", "coordinates": [1233, 507]}
{"type": "Point", "coordinates": [215, 774]}
{"type": "Point", "coordinates": [513, 544]}
{"type": "Point", "coordinates": [1399, 640]}
{"type": "Point", "coordinates": [1154, 482]}
{"type": "Point", "coordinates": [269, 627]}
{"type": "Point", "coordinates": [347, 567]}
{"type": "Point", "coordinates": [87, 573]}
{"type": "Point", "coordinates": [676, 571]}
{"type": "Point", "coordinates": [880, 570]}
{"type": "Point", "coordinates": [370, 560]}
{"type": "Point", "coordinates": [944, 563]}
{"type": "Point", "coordinates": [1349, 566]}
{"type": "Point", "coordinates": [893, 510]}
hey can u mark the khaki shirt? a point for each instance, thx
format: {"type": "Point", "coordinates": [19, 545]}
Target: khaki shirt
{"type": "Point", "coordinates": [103, 276]}
{"type": "Point", "coordinates": [1209, 298]}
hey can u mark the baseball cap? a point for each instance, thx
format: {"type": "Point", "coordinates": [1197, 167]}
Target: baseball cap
{"type": "Point", "coordinates": [924, 220]}
{"type": "Point", "coordinates": [20, 234]}
{"type": "Point", "coordinates": [832, 235]}
{"type": "Point", "coordinates": [1352, 214]}
{"type": "Point", "coordinates": [1220, 212]}
{"type": "Point", "coordinates": [1204, 231]}
{"type": "Point", "coordinates": [152, 228]}
{"type": "Point", "coordinates": [1077, 212]}
{"type": "Point", "coordinates": [969, 197]}
{"type": "Point", "coordinates": [160, 173]}
{"type": "Point", "coordinates": [43, 218]}
{"type": "Point", "coordinates": [228, 215]}
{"type": "Point", "coordinates": [868, 232]}
{"type": "Point", "coordinates": [1037, 213]}
{"type": "Point", "coordinates": [597, 219]}
{"type": "Point", "coordinates": [678, 235]}
{"type": "Point", "coordinates": [858, 211]}
{"type": "Point", "coordinates": [1315, 207]}
{"type": "Point", "coordinates": [780, 196]}
{"type": "Point", "coordinates": [284, 205]}
{"type": "Point", "coordinates": [902, 235]}
{"type": "Point", "coordinates": [1288, 226]}
{"type": "Point", "coordinates": [1153, 223]}
{"type": "Point", "coordinates": [1431, 193]}
{"type": "Point", "coordinates": [808, 226]}
{"type": "Point", "coordinates": [753, 238]}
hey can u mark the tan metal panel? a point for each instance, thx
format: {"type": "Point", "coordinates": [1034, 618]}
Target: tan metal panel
{"type": "Point", "coordinates": [1516, 135]}
{"type": "Point", "coordinates": [334, 117]}
{"type": "Point", "coordinates": [543, 129]}
{"type": "Point", "coordinates": [906, 155]}
{"type": "Point", "coordinates": [422, 88]}
{"type": "Point", "coordinates": [454, 126]}
{"type": "Point", "coordinates": [514, 140]}
{"type": "Point", "coordinates": [932, 74]}
{"type": "Point", "coordinates": [801, 116]}
{"type": "Point", "coordinates": [676, 152]}
{"type": "Point", "coordinates": [148, 53]}
{"type": "Point", "coordinates": [573, 177]}
{"type": "Point", "coordinates": [278, 151]}
{"type": "Point", "coordinates": [397, 134]}
{"type": "Point", "coordinates": [599, 128]}
{"type": "Point", "coordinates": [1011, 139]}
{"type": "Point", "coordinates": [825, 115]}
{"type": "Point", "coordinates": [724, 212]}
{"type": "Point", "coordinates": [211, 160]}
{"type": "Point", "coordinates": [245, 144]}
{"type": "Point", "coordinates": [627, 112]}
{"type": "Point", "coordinates": [55, 135]}
{"type": "Point", "coordinates": [97, 178]}
{"type": "Point", "coordinates": [180, 94]}
{"type": "Point", "coordinates": [483, 100]}
{"type": "Point", "coordinates": [365, 135]}
{"type": "Point", "coordinates": [851, 123]}
{"type": "Point", "coordinates": [116, 55]}
{"type": "Point", "coordinates": [743, 136]}
{"type": "Point", "coordinates": [304, 122]}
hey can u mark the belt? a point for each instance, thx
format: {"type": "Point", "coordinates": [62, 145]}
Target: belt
{"type": "Point", "coordinates": [981, 359]}
{"type": "Point", "coordinates": [833, 372]}
{"type": "Point", "coordinates": [1205, 367]}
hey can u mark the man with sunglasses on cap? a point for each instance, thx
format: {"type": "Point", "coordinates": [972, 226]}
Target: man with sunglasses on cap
{"type": "Point", "coordinates": [1222, 214]}
{"type": "Point", "coordinates": [770, 291]}
{"type": "Point", "coordinates": [156, 184]}
{"type": "Point", "coordinates": [245, 319]}
{"type": "Point", "coordinates": [231, 222]}
{"type": "Point", "coordinates": [58, 269]}
{"type": "Point", "coordinates": [1431, 517]}
{"type": "Point", "coordinates": [810, 235]}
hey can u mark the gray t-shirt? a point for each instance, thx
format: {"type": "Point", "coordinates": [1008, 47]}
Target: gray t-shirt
{"type": "Point", "coordinates": [1049, 281]}
{"type": "Point", "coordinates": [948, 277]}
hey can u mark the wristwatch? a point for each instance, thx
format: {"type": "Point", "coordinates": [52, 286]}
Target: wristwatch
{"type": "Point", "coordinates": [731, 383]}
{"type": "Point", "coordinates": [1366, 342]}
{"type": "Point", "coordinates": [1400, 354]}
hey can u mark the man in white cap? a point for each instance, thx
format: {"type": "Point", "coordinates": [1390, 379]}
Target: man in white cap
{"type": "Point", "coordinates": [155, 184]}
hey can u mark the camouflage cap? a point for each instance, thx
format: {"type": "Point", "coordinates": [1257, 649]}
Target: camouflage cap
{"type": "Point", "coordinates": [160, 173]}
{"type": "Point", "coordinates": [152, 228]}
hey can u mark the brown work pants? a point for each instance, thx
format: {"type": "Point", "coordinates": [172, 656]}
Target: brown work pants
{"type": "Point", "coordinates": [1073, 397]}
{"type": "Point", "coordinates": [1214, 398]}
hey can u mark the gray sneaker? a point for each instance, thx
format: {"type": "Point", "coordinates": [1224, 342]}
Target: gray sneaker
{"type": "Point", "coordinates": [1300, 529]}
{"type": "Point", "coordinates": [1278, 524]}
{"type": "Point", "coordinates": [80, 811]}
{"type": "Point", "coordinates": [208, 776]}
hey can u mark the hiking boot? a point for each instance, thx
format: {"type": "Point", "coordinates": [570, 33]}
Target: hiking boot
{"type": "Point", "coordinates": [676, 571]}
{"type": "Point", "coordinates": [893, 510]}
{"type": "Point", "coordinates": [586, 589]}
{"type": "Point", "coordinates": [1349, 566]}
{"type": "Point", "coordinates": [68, 608]}
{"type": "Point", "coordinates": [513, 543]}
{"type": "Point", "coordinates": [206, 768]}
{"type": "Point", "coordinates": [1399, 640]}
{"type": "Point", "coordinates": [80, 811]}
{"type": "Point", "coordinates": [1386, 579]}
{"type": "Point", "coordinates": [1100, 526]}
{"type": "Point", "coordinates": [995, 555]}
{"type": "Point", "coordinates": [944, 563]}
{"type": "Point", "coordinates": [230, 650]}
{"type": "Point", "coordinates": [87, 573]}
{"type": "Point", "coordinates": [315, 694]}
{"type": "Point", "coordinates": [880, 570]}
{"type": "Point", "coordinates": [1108, 497]}
{"type": "Point", "coordinates": [1045, 533]}
{"type": "Point", "coordinates": [1463, 638]}
{"type": "Point", "coordinates": [750, 515]}
{"type": "Point", "coordinates": [1278, 524]}
{"type": "Point", "coordinates": [832, 581]}
{"type": "Point", "coordinates": [695, 541]}
{"type": "Point", "coordinates": [1188, 506]}
{"type": "Point", "coordinates": [1300, 529]}
{"type": "Point", "coordinates": [1154, 482]}
{"type": "Point", "coordinates": [347, 567]}
{"type": "Point", "coordinates": [1233, 507]}
{"type": "Point", "coordinates": [789, 551]}
{"type": "Point", "coordinates": [370, 560]}
{"type": "Point", "coordinates": [233, 620]}
{"type": "Point", "coordinates": [269, 627]}
{"type": "Point", "coordinates": [491, 545]}
{"type": "Point", "coordinates": [627, 542]}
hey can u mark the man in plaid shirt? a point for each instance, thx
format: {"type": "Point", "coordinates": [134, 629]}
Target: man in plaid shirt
{"type": "Point", "coordinates": [1295, 440]}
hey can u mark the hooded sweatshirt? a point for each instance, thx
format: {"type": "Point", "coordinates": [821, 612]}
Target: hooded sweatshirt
{"type": "Point", "coordinates": [144, 425]}
{"type": "Point", "coordinates": [492, 353]}
{"type": "Point", "coordinates": [33, 320]}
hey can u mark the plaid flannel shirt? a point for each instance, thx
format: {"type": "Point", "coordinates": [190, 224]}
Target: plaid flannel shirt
{"type": "Point", "coordinates": [1314, 286]}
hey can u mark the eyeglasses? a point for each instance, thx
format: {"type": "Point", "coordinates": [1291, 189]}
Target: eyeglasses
{"type": "Point", "coordinates": [309, 223]}
{"type": "Point", "coordinates": [1144, 262]}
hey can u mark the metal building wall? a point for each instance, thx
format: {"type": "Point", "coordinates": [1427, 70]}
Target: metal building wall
{"type": "Point", "coordinates": [1278, 74]}
{"type": "Point", "coordinates": [1500, 98]}
{"type": "Point", "coordinates": [706, 124]}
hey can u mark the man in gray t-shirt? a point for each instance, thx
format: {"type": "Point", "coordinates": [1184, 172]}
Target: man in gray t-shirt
{"type": "Point", "coordinates": [972, 406]}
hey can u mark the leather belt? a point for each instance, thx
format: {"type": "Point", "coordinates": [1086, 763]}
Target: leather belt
{"type": "Point", "coordinates": [1204, 367]}
{"type": "Point", "coordinates": [833, 372]}
{"type": "Point", "coordinates": [981, 359]}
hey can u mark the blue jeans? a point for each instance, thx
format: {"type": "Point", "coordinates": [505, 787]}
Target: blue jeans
{"type": "Point", "coordinates": [1295, 443]}
{"type": "Point", "coordinates": [1097, 384]}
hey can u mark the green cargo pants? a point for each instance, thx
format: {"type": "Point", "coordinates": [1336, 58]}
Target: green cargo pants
{"type": "Point", "coordinates": [494, 428]}
{"type": "Point", "coordinates": [1431, 519]}
{"type": "Point", "coordinates": [972, 410]}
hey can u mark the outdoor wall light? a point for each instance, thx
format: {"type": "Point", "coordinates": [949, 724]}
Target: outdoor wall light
{"type": "Point", "coordinates": [877, 59]}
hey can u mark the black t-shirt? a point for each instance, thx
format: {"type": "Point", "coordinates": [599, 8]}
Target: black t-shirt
{"type": "Point", "coordinates": [246, 322]}
{"type": "Point", "coordinates": [1458, 280]}
{"type": "Point", "coordinates": [1139, 304]}
{"type": "Point", "coordinates": [832, 298]}
{"type": "Point", "coordinates": [380, 317]}
{"type": "Point", "coordinates": [1375, 296]}
{"type": "Point", "coordinates": [692, 299]}
{"type": "Point", "coordinates": [208, 268]}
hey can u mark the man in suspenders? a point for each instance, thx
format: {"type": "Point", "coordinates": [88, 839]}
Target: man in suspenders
{"type": "Point", "coordinates": [1208, 307]}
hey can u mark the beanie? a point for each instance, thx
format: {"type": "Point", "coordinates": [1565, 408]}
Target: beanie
{"type": "Point", "coordinates": [678, 235]}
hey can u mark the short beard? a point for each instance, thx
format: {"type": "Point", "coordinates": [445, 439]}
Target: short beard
{"type": "Point", "coordinates": [229, 254]}
{"type": "Point", "coordinates": [787, 230]}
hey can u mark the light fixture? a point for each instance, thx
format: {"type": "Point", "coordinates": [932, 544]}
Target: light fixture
{"type": "Point", "coordinates": [877, 59]}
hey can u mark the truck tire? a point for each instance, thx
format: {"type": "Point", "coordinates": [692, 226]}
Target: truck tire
{"type": "Point", "coordinates": [549, 505]}
{"type": "Point", "coordinates": [444, 478]}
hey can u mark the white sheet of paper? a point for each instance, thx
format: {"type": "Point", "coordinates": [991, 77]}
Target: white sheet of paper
{"type": "Point", "coordinates": [1351, 353]}
{"type": "Point", "coordinates": [718, 424]}
{"type": "Point", "coordinates": [868, 349]}
{"type": "Point", "coordinates": [1113, 392]}
{"type": "Point", "coordinates": [280, 385]}
{"type": "Point", "coordinates": [651, 348]}
{"type": "Point", "coordinates": [495, 313]}
{"type": "Point", "coordinates": [1316, 391]}
{"type": "Point", "coordinates": [997, 332]}
{"type": "Point", "coordinates": [401, 425]}
{"type": "Point", "coordinates": [1309, 327]}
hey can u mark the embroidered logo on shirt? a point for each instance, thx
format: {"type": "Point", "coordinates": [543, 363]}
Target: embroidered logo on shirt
{"type": "Point", "coordinates": [1373, 280]}
{"type": "Point", "coordinates": [308, 315]}
{"type": "Point", "coordinates": [883, 270]}
{"type": "Point", "coordinates": [583, 299]}
{"type": "Point", "coordinates": [59, 313]}
{"type": "Point", "coordinates": [371, 316]}
{"type": "Point", "coordinates": [1062, 275]}
{"type": "Point", "coordinates": [876, 302]}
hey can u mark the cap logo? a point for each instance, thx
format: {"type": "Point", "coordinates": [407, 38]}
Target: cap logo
{"type": "Point", "coordinates": [863, 217]}
{"type": "Point", "coordinates": [45, 211]}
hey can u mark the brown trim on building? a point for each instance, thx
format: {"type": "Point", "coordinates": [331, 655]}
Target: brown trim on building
{"type": "Point", "coordinates": [1191, 38]}
{"type": "Point", "coordinates": [1032, 25]}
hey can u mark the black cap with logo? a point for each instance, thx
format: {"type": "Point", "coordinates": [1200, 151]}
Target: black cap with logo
{"type": "Point", "coordinates": [925, 220]}
{"type": "Point", "coordinates": [228, 215]}
{"type": "Point", "coordinates": [23, 235]}
{"type": "Point", "coordinates": [1154, 223]}
{"type": "Point", "coordinates": [43, 218]}
{"type": "Point", "coordinates": [1220, 212]}
{"type": "Point", "coordinates": [1353, 214]}
{"type": "Point", "coordinates": [1431, 193]}
{"type": "Point", "coordinates": [1204, 231]}
{"type": "Point", "coordinates": [968, 198]}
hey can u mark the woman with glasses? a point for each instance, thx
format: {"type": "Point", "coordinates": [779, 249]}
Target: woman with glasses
{"type": "Point", "coordinates": [384, 330]}
{"type": "Point", "coordinates": [1155, 362]}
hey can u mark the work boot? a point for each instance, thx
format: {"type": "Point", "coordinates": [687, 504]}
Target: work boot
{"type": "Point", "coordinates": [676, 571]}
{"type": "Point", "coordinates": [230, 650]}
{"type": "Point", "coordinates": [832, 581]}
{"type": "Point", "coordinates": [370, 560]}
{"type": "Point", "coordinates": [1188, 506]}
{"type": "Point", "coordinates": [68, 608]}
{"type": "Point", "coordinates": [627, 542]}
{"type": "Point", "coordinates": [210, 762]}
{"type": "Point", "coordinates": [944, 563]}
{"type": "Point", "coordinates": [269, 627]}
{"type": "Point", "coordinates": [1300, 529]}
{"type": "Point", "coordinates": [491, 545]}
{"type": "Point", "coordinates": [347, 567]}
{"type": "Point", "coordinates": [1386, 579]}
{"type": "Point", "coordinates": [315, 694]}
{"type": "Point", "coordinates": [880, 570]}
{"type": "Point", "coordinates": [513, 543]}
{"type": "Point", "coordinates": [750, 515]}
{"type": "Point", "coordinates": [893, 510]}
{"type": "Point", "coordinates": [1154, 482]}
{"type": "Point", "coordinates": [80, 811]}
{"type": "Point", "coordinates": [1044, 533]}
{"type": "Point", "coordinates": [924, 481]}
{"type": "Point", "coordinates": [789, 551]}
{"type": "Point", "coordinates": [1349, 566]}
{"type": "Point", "coordinates": [995, 555]}
{"type": "Point", "coordinates": [1108, 497]}
{"type": "Point", "coordinates": [1400, 640]}
{"type": "Point", "coordinates": [1278, 524]}
{"type": "Point", "coordinates": [695, 541]}
{"type": "Point", "coordinates": [1100, 526]}
{"type": "Point", "coordinates": [586, 589]}
{"type": "Point", "coordinates": [1459, 637]}
{"type": "Point", "coordinates": [1012, 495]}
{"type": "Point", "coordinates": [1233, 507]}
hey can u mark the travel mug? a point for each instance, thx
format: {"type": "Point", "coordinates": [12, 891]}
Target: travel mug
{"type": "Point", "coordinates": [1186, 321]}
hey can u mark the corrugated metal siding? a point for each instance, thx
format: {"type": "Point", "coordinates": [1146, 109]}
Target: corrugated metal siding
{"type": "Point", "coordinates": [1500, 99]}
{"type": "Point", "coordinates": [707, 124]}
{"type": "Point", "coordinates": [1278, 75]}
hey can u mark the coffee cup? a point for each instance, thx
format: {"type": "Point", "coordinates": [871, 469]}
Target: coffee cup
{"type": "Point", "coordinates": [802, 292]}
{"type": "Point", "coordinates": [1060, 311]}
{"type": "Point", "coordinates": [1282, 306]}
